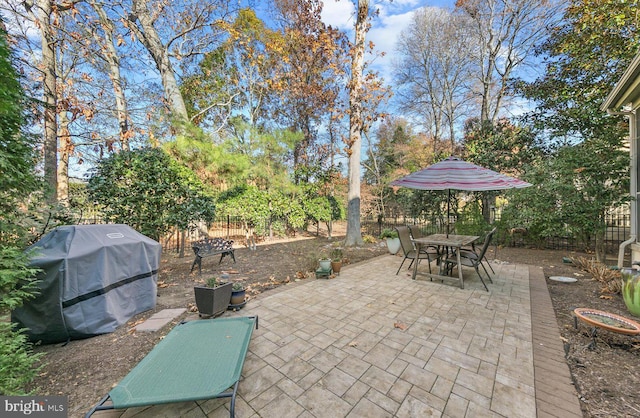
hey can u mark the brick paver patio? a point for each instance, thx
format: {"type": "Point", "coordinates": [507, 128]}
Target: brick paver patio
{"type": "Point", "coordinates": [372, 344]}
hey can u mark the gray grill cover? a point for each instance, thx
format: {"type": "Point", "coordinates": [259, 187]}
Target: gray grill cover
{"type": "Point", "coordinates": [94, 279]}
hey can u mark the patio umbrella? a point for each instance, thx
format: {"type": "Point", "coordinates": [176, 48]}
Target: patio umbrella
{"type": "Point", "coordinates": [457, 174]}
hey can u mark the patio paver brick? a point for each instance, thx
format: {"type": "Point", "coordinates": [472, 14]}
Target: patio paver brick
{"type": "Point", "coordinates": [319, 352]}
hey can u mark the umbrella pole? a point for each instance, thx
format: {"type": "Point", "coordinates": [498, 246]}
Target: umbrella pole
{"type": "Point", "coordinates": [448, 201]}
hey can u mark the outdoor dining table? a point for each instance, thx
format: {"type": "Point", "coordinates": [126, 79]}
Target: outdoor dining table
{"type": "Point", "coordinates": [446, 241]}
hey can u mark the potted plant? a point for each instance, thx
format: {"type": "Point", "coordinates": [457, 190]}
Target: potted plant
{"type": "Point", "coordinates": [238, 293]}
{"type": "Point", "coordinates": [631, 290]}
{"type": "Point", "coordinates": [213, 298]}
{"type": "Point", "coordinates": [393, 242]}
{"type": "Point", "coordinates": [336, 260]}
{"type": "Point", "coordinates": [325, 264]}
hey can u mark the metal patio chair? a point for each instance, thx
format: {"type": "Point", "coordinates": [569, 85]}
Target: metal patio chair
{"type": "Point", "coordinates": [409, 249]}
{"type": "Point", "coordinates": [472, 259]}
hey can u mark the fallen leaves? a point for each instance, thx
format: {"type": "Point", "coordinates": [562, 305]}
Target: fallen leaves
{"type": "Point", "coordinates": [136, 323]}
{"type": "Point", "coordinates": [609, 279]}
{"type": "Point", "coordinates": [163, 285]}
{"type": "Point", "coordinates": [258, 287]}
{"type": "Point", "coordinates": [400, 325]}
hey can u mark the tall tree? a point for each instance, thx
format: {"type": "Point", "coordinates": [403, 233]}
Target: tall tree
{"type": "Point", "coordinates": [356, 123]}
{"type": "Point", "coordinates": [235, 82]}
{"type": "Point", "coordinates": [384, 158]}
{"type": "Point", "coordinates": [59, 66]}
{"type": "Point", "coordinates": [108, 41]}
{"type": "Point", "coordinates": [42, 12]}
{"type": "Point", "coordinates": [506, 32]}
{"type": "Point", "coordinates": [313, 60]}
{"type": "Point", "coordinates": [19, 184]}
{"type": "Point", "coordinates": [143, 21]}
{"type": "Point", "coordinates": [434, 70]}
{"type": "Point", "coordinates": [585, 56]}
{"type": "Point", "coordinates": [176, 32]}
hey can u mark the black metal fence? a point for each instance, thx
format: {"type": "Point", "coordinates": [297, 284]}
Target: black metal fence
{"type": "Point", "coordinates": [618, 230]}
{"type": "Point", "coordinates": [231, 227]}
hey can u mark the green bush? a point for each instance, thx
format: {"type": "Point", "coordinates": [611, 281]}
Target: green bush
{"type": "Point", "coordinates": [388, 233]}
{"type": "Point", "coordinates": [150, 191]}
{"type": "Point", "coordinates": [18, 188]}
{"type": "Point", "coordinates": [17, 362]}
{"type": "Point", "coordinates": [471, 221]}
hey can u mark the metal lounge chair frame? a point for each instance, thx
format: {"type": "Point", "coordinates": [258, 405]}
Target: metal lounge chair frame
{"type": "Point", "coordinates": [410, 252]}
{"type": "Point", "coordinates": [197, 360]}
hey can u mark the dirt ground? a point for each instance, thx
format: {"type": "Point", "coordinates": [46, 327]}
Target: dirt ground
{"type": "Point", "coordinates": [605, 375]}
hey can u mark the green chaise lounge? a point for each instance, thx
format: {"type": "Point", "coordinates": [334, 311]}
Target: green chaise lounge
{"type": "Point", "coordinates": [197, 360]}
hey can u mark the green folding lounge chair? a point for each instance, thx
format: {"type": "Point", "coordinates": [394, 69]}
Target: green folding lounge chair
{"type": "Point", "coordinates": [197, 360]}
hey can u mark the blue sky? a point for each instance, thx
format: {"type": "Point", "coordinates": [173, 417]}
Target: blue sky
{"type": "Point", "coordinates": [393, 17]}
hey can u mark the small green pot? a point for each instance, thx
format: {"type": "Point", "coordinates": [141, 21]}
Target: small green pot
{"type": "Point", "coordinates": [325, 264]}
{"type": "Point", "coordinates": [631, 290]}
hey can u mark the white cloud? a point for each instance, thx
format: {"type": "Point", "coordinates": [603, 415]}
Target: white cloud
{"type": "Point", "coordinates": [384, 36]}
{"type": "Point", "coordinates": [339, 14]}
{"type": "Point", "coordinates": [17, 25]}
{"type": "Point", "coordinates": [393, 17]}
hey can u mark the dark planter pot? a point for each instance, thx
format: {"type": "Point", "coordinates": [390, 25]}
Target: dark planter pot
{"type": "Point", "coordinates": [336, 266]}
{"type": "Point", "coordinates": [237, 297]}
{"type": "Point", "coordinates": [212, 301]}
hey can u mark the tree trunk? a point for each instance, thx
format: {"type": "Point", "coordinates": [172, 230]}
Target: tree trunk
{"type": "Point", "coordinates": [113, 61]}
{"type": "Point", "coordinates": [66, 147]}
{"type": "Point", "coordinates": [329, 229]}
{"type": "Point", "coordinates": [354, 234]}
{"type": "Point", "coordinates": [452, 135]}
{"type": "Point", "coordinates": [151, 40]}
{"type": "Point", "coordinates": [42, 15]}
{"type": "Point", "coordinates": [183, 243]}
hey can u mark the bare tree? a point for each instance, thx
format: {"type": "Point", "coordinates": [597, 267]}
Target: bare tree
{"type": "Point", "coordinates": [107, 44]}
{"type": "Point", "coordinates": [356, 124]}
{"type": "Point", "coordinates": [143, 20]}
{"type": "Point", "coordinates": [41, 11]}
{"type": "Point", "coordinates": [177, 30]}
{"type": "Point", "coordinates": [506, 32]}
{"type": "Point", "coordinates": [434, 68]}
